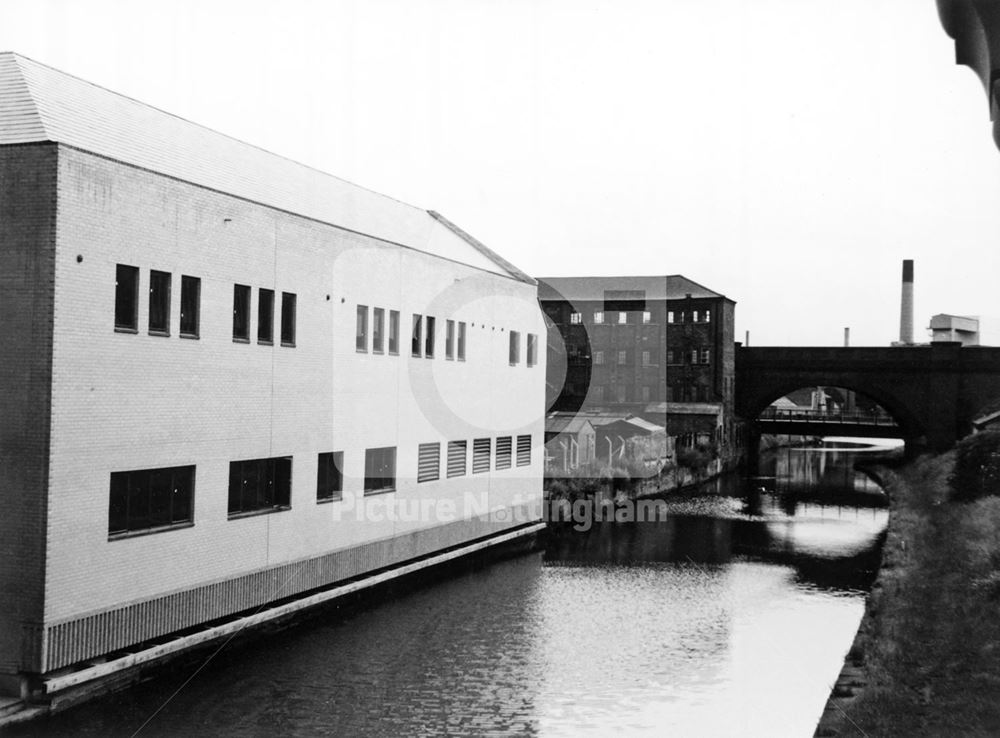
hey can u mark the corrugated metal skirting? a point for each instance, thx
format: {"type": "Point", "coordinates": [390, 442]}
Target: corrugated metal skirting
{"type": "Point", "coordinates": [100, 633]}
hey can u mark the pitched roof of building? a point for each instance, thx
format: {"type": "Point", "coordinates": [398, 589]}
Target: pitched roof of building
{"type": "Point", "coordinates": [39, 103]}
{"type": "Point", "coordinates": [666, 287]}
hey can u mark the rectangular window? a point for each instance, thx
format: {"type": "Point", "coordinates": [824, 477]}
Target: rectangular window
{"type": "Point", "coordinates": [361, 329]}
{"type": "Point", "coordinates": [694, 356]}
{"type": "Point", "coordinates": [461, 340]}
{"type": "Point", "coordinates": [481, 455]}
{"type": "Point", "coordinates": [159, 302]}
{"type": "Point", "coordinates": [449, 339]}
{"type": "Point", "coordinates": [670, 316]}
{"type": "Point", "coordinates": [378, 330]}
{"type": "Point", "coordinates": [330, 476]}
{"type": "Point", "coordinates": [428, 462]}
{"type": "Point", "coordinates": [622, 318]}
{"type": "Point", "coordinates": [265, 316]}
{"type": "Point", "coordinates": [456, 458]}
{"type": "Point", "coordinates": [532, 357]}
{"type": "Point", "coordinates": [645, 358]}
{"type": "Point", "coordinates": [416, 343]}
{"type": "Point", "coordinates": [621, 393]}
{"type": "Point", "coordinates": [514, 351]}
{"type": "Point", "coordinates": [394, 332]}
{"type": "Point", "coordinates": [708, 316]}
{"type": "Point", "coordinates": [150, 498]}
{"type": "Point", "coordinates": [576, 318]}
{"type": "Point", "coordinates": [241, 312]}
{"type": "Point", "coordinates": [190, 306]}
{"type": "Point", "coordinates": [287, 319]}
{"type": "Point", "coordinates": [694, 316]}
{"type": "Point", "coordinates": [647, 316]}
{"type": "Point", "coordinates": [598, 357]}
{"type": "Point", "coordinates": [598, 392]}
{"type": "Point", "coordinates": [380, 469]}
{"type": "Point", "coordinates": [598, 317]}
{"type": "Point", "coordinates": [622, 357]}
{"type": "Point", "coordinates": [645, 393]}
{"type": "Point", "coordinates": [126, 297]}
{"type": "Point", "coordinates": [503, 452]}
{"type": "Point", "coordinates": [524, 450]}
{"type": "Point", "coordinates": [706, 355]}
{"type": "Point", "coordinates": [260, 484]}
{"type": "Point", "coordinates": [670, 356]}
{"type": "Point", "coordinates": [429, 337]}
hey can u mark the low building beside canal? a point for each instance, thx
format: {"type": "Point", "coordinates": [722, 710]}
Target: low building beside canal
{"type": "Point", "coordinates": [229, 379]}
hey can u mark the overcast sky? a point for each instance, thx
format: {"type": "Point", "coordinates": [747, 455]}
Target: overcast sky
{"type": "Point", "coordinates": [787, 153]}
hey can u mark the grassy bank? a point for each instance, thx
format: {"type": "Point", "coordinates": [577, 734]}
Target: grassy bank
{"type": "Point", "coordinates": [929, 646]}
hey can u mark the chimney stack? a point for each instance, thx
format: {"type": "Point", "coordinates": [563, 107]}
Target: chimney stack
{"type": "Point", "coordinates": [906, 305]}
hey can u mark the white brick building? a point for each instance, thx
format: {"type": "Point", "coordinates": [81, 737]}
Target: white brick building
{"type": "Point", "coordinates": [221, 372]}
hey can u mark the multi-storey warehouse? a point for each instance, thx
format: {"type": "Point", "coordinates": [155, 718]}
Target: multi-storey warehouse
{"type": "Point", "coordinates": [228, 379]}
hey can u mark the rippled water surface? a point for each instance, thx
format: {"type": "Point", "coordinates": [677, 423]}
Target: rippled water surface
{"type": "Point", "coordinates": [730, 617]}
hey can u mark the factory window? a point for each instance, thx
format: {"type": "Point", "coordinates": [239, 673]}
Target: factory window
{"type": "Point", "coordinates": [503, 452]}
{"type": "Point", "coordinates": [416, 341]}
{"type": "Point", "coordinates": [695, 318]}
{"type": "Point", "coordinates": [645, 393]}
{"type": "Point", "coordinates": [694, 356]}
{"type": "Point", "coordinates": [265, 316]}
{"type": "Point", "coordinates": [620, 393]}
{"type": "Point", "coordinates": [647, 316]}
{"type": "Point", "coordinates": [260, 484]}
{"type": "Point", "coordinates": [380, 469]}
{"type": "Point", "coordinates": [599, 357]}
{"type": "Point", "coordinates": [449, 339]}
{"type": "Point", "coordinates": [461, 340]}
{"type": "Point", "coordinates": [524, 450]}
{"type": "Point", "coordinates": [532, 357]}
{"type": "Point", "coordinates": [126, 297]}
{"type": "Point", "coordinates": [645, 358]}
{"type": "Point", "coordinates": [190, 306]}
{"type": "Point", "coordinates": [622, 318]}
{"type": "Point", "coordinates": [706, 355]}
{"type": "Point", "coordinates": [149, 499]}
{"type": "Point", "coordinates": [598, 317]}
{"type": "Point", "coordinates": [576, 318]}
{"type": "Point", "coordinates": [622, 357]}
{"type": "Point", "coordinates": [598, 391]}
{"type": "Point", "coordinates": [394, 332]}
{"type": "Point", "coordinates": [708, 316]}
{"type": "Point", "coordinates": [361, 329]}
{"type": "Point", "coordinates": [330, 476]}
{"type": "Point", "coordinates": [481, 455]}
{"type": "Point", "coordinates": [241, 312]}
{"type": "Point", "coordinates": [671, 356]}
{"type": "Point", "coordinates": [514, 351]}
{"type": "Point", "coordinates": [378, 330]}
{"type": "Point", "coordinates": [159, 302]}
{"type": "Point", "coordinates": [456, 458]}
{"type": "Point", "coordinates": [287, 319]}
{"type": "Point", "coordinates": [429, 462]}
{"type": "Point", "coordinates": [429, 341]}
{"type": "Point", "coordinates": [670, 316]}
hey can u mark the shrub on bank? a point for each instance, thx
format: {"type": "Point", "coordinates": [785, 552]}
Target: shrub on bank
{"type": "Point", "coordinates": [977, 467]}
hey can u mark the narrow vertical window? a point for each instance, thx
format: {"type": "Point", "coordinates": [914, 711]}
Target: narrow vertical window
{"type": "Point", "coordinates": [706, 355]}
{"type": "Point", "coordinates": [394, 332]}
{"type": "Point", "coordinates": [241, 312]}
{"type": "Point", "coordinates": [378, 330]}
{"type": "Point", "coordinates": [461, 340]}
{"type": "Point", "coordinates": [645, 393]}
{"type": "Point", "coordinates": [645, 358]}
{"type": "Point", "coordinates": [429, 338]}
{"type": "Point", "coordinates": [265, 316]}
{"type": "Point", "coordinates": [670, 316]}
{"type": "Point", "coordinates": [287, 319]}
{"type": "Point", "coordinates": [190, 306]}
{"type": "Point", "coordinates": [449, 339]}
{"type": "Point", "coordinates": [330, 476]}
{"type": "Point", "coordinates": [708, 316]}
{"type": "Point", "coordinates": [515, 348]}
{"type": "Point", "coordinates": [361, 330]}
{"type": "Point", "coordinates": [416, 341]}
{"type": "Point", "coordinates": [532, 357]}
{"type": "Point", "coordinates": [126, 297]}
{"type": "Point", "coordinates": [159, 302]}
{"type": "Point", "coordinates": [622, 357]}
{"type": "Point", "coordinates": [694, 317]}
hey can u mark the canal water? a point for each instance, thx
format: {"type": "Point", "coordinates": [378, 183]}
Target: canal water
{"type": "Point", "coordinates": [728, 616]}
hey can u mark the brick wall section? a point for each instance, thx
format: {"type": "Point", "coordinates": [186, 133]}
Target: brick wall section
{"type": "Point", "coordinates": [28, 176]}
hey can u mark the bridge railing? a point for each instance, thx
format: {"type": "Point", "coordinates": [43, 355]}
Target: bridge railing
{"type": "Point", "coordinates": [818, 416]}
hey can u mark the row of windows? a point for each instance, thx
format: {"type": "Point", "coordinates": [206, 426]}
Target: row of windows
{"type": "Point", "coordinates": [127, 302]}
{"type": "Point", "coordinates": [422, 338]}
{"type": "Point", "coordinates": [625, 393]}
{"type": "Point", "coordinates": [483, 457]}
{"type": "Point", "coordinates": [621, 317]}
{"type": "Point", "coordinates": [265, 316]}
{"type": "Point", "coordinates": [695, 356]}
{"type": "Point", "coordinates": [151, 499]}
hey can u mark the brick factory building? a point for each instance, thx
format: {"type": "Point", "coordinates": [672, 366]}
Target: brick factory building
{"type": "Point", "coordinates": [661, 348]}
{"type": "Point", "coordinates": [223, 375]}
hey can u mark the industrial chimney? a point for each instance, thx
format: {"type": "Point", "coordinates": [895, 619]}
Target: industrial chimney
{"type": "Point", "coordinates": [906, 305]}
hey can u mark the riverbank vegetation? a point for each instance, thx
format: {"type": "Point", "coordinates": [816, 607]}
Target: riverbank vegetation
{"type": "Point", "coordinates": [930, 642]}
